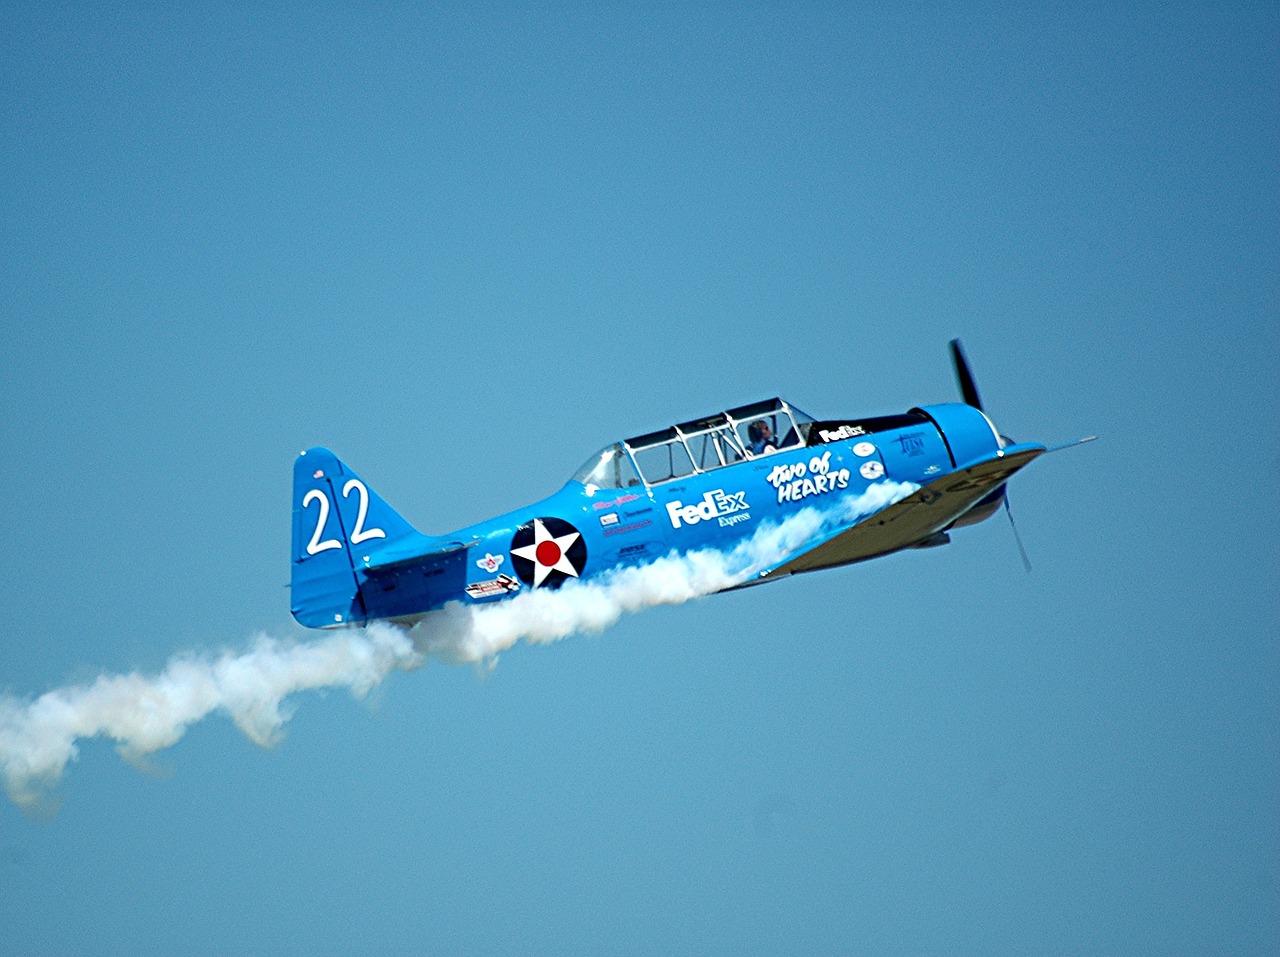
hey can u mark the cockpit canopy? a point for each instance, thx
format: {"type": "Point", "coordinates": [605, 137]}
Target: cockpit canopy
{"type": "Point", "coordinates": [747, 432]}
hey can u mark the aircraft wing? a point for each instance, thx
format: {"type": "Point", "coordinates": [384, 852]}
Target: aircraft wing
{"type": "Point", "coordinates": [912, 520]}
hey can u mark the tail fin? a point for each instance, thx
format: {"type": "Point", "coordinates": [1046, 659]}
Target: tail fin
{"type": "Point", "coordinates": [334, 512]}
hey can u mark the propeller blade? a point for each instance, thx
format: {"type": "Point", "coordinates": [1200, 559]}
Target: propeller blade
{"type": "Point", "coordinates": [967, 387]}
{"type": "Point", "coordinates": [1026, 562]}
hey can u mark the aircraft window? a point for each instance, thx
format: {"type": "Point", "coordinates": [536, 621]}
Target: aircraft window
{"type": "Point", "coordinates": [718, 440]}
{"type": "Point", "coordinates": [804, 423]}
{"type": "Point", "coordinates": [765, 427]}
{"type": "Point", "coordinates": [609, 468]}
{"type": "Point", "coordinates": [664, 461]}
{"type": "Point", "coordinates": [715, 448]}
{"type": "Point", "coordinates": [756, 409]}
{"type": "Point", "coordinates": [760, 435]}
{"type": "Point", "coordinates": [712, 442]}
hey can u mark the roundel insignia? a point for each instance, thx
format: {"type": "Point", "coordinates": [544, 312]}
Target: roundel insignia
{"type": "Point", "coordinates": [547, 551]}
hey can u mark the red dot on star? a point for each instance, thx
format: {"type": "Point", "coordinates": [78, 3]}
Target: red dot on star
{"type": "Point", "coordinates": [548, 553]}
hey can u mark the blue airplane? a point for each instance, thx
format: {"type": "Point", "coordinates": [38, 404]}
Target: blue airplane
{"type": "Point", "coordinates": [707, 483]}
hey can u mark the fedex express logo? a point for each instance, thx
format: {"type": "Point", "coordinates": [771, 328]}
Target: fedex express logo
{"type": "Point", "coordinates": [729, 507]}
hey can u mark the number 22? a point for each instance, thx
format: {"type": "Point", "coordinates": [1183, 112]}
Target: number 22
{"type": "Point", "coordinates": [358, 534]}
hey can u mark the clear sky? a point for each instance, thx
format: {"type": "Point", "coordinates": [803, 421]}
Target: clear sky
{"type": "Point", "coordinates": [465, 246]}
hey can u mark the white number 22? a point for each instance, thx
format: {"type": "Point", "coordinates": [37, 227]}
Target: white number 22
{"type": "Point", "coordinates": [358, 534]}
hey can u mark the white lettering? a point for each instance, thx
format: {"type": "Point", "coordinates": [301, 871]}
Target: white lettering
{"type": "Point", "coordinates": [360, 533]}
{"type": "Point", "coordinates": [844, 432]}
{"type": "Point", "coordinates": [713, 505]}
{"type": "Point", "coordinates": [315, 546]}
{"type": "Point", "coordinates": [800, 480]}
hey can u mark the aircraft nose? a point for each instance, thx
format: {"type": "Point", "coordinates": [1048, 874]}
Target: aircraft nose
{"type": "Point", "coordinates": [968, 433]}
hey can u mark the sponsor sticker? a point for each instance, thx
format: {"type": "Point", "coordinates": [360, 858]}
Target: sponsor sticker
{"type": "Point", "coordinates": [490, 563]}
{"type": "Point", "coordinates": [871, 470]}
{"type": "Point", "coordinates": [728, 508]}
{"type": "Point", "coordinates": [635, 553]}
{"type": "Point", "coordinates": [502, 585]}
{"type": "Point", "coordinates": [912, 443]}
{"type": "Point", "coordinates": [610, 518]}
{"type": "Point", "coordinates": [863, 449]}
{"type": "Point", "coordinates": [629, 527]}
{"type": "Point", "coordinates": [842, 433]}
{"type": "Point", "coordinates": [615, 502]}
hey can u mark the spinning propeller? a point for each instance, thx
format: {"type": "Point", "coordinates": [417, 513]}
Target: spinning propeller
{"type": "Point", "coordinates": [969, 391]}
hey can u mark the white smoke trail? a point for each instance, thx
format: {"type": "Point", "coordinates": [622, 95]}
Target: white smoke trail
{"type": "Point", "coordinates": [469, 633]}
{"type": "Point", "coordinates": [143, 714]}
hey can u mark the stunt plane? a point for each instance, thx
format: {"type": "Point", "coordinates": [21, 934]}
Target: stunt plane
{"type": "Point", "coordinates": [711, 482]}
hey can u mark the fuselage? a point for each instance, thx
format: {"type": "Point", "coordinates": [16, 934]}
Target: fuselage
{"type": "Point", "coordinates": [589, 527]}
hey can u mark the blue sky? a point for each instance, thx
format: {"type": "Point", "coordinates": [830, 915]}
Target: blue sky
{"type": "Point", "coordinates": [465, 247]}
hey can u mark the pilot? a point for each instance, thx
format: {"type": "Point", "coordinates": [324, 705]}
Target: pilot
{"type": "Point", "coordinates": [760, 437]}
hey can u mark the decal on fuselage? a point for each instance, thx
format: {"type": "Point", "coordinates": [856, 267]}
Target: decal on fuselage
{"type": "Point", "coordinates": [728, 508]}
{"type": "Point", "coordinates": [841, 433]}
{"type": "Point", "coordinates": [502, 585]}
{"type": "Point", "coordinates": [547, 552]}
{"type": "Point", "coordinates": [629, 527]}
{"type": "Point", "coordinates": [615, 502]}
{"type": "Point", "coordinates": [911, 443]}
{"type": "Point", "coordinates": [871, 470]}
{"type": "Point", "coordinates": [800, 480]}
{"type": "Point", "coordinates": [490, 563]}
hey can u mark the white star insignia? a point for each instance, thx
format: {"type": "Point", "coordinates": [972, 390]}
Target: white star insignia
{"type": "Point", "coordinates": [548, 554]}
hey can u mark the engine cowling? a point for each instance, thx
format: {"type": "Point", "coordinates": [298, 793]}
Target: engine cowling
{"type": "Point", "coordinates": [969, 436]}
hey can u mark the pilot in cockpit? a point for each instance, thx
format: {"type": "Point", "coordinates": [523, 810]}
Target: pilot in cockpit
{"type": "Point", "coordinates": [760, 438]}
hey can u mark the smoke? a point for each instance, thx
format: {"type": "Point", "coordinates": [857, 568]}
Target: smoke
{"type": "Point", "coordinates": [143, 714]}
{"type": "Point", "coordinates": [470, 633]}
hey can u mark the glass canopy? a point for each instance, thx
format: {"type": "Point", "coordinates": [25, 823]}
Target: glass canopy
{"type": "Point", "coordinates": [701, 445]}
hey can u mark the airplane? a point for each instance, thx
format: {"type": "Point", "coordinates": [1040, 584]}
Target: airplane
{"type": "Point", "coordinates": [710, 482]}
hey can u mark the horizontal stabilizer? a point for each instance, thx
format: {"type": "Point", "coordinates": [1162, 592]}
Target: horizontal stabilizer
{"type": "Point", "coordinates": [399, 585]}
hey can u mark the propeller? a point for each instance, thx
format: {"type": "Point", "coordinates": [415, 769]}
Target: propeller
{"type": "Point", "coordinates": [1026, 562]}
{"type": "Point", "coordinates": [969, 391]}
{"type": "Point", "coordinates": [967, 388]}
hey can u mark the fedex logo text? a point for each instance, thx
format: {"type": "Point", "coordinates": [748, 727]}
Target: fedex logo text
{"type": "Point", "coordinates": [717, 504]}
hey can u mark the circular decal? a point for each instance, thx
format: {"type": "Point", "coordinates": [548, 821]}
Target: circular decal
{"type": "Point", "coordinates": [871, 470]}
{"type": "Point", "coordinates": [864, 449]}
{"type": "Point", "coordinates": [547, 551]}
